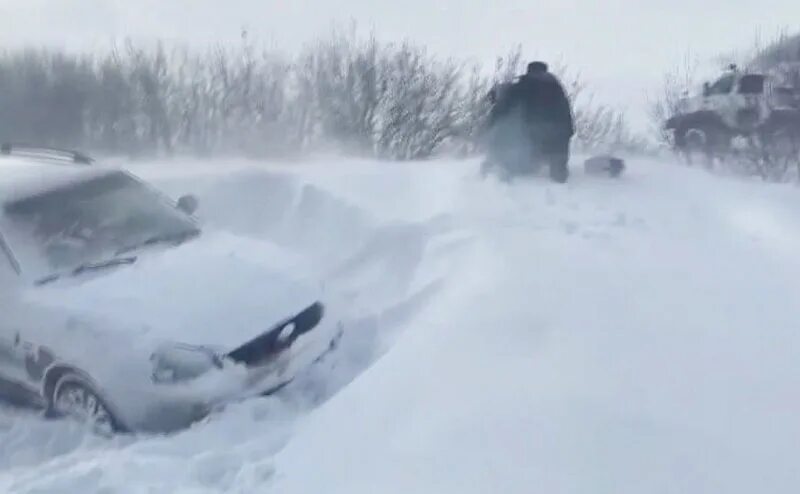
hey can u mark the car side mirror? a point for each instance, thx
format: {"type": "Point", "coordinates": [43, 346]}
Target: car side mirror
{"type": "Point", "coordinates": [188, 204]}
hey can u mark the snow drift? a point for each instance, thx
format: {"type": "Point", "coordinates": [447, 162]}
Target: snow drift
{"type": "Point", "coordinates": [631, 335]}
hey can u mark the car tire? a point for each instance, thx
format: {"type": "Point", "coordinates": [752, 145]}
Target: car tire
{"type": "Point", "coordinates": [75, 398]}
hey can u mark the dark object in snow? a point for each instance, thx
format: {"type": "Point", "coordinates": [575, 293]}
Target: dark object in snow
{"type": "Point", "coordinates": [604, 165]}
{"type": "Point", "coordinates": [279, 338]}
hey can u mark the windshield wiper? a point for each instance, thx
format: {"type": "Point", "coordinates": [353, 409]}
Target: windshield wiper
{"type": "Point", "coordinates": [92, 266]}
{"type": "Point", "coordinates": [89, 266]}
{"type": "Point", "coordinates": [170, 238]}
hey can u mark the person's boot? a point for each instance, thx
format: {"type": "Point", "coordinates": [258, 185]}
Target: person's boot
{"type": "Point", "coordinates": [559, 171]}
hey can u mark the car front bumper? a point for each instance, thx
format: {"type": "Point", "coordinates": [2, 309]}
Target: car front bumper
{"type": "Point", "coordinates": [258, 368]}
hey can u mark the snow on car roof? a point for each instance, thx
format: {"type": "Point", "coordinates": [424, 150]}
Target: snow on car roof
{"type": "Point", "coordinates": [21, 178]}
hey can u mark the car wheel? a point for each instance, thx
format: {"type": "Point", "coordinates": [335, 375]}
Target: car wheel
{"type": "Point", "coordinates": [76, 399]}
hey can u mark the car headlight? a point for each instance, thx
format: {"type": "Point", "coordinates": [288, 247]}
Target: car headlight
{"type": "Point", "coordinates": [176, 363]}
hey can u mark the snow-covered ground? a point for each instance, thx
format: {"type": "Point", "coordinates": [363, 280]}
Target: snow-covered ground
{"type": "Point", "coordinates": [608, 336]}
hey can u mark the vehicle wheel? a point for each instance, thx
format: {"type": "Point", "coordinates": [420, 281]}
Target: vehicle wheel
{"type": "Point", "coordinates": [696, 146]}
{"type": "Point", "coordinates": [77, 400]}
{"type": "Point", "coordinates": [559, 169]}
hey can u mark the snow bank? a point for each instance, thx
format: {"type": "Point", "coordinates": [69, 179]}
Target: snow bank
{"type": "Point", "coordinates": [631, 336]}
{"type": "Point", "coordinates": [637, 335]}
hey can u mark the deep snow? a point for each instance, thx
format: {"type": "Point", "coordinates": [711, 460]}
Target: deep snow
{"type": "Point", "coordinates": [607, 336]}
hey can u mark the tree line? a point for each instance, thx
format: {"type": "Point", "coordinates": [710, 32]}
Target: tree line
{"type": "Point", "coordinates": [343, 92]}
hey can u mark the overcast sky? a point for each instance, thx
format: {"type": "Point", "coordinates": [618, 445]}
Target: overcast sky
{"type": "Point", "coordinates": [622, 46]}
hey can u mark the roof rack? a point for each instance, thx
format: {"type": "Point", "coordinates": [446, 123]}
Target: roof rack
{"type": "Point", "coordinates": [45, 152]}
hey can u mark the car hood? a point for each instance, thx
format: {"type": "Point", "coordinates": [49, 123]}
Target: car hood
{"type": "Point", "coordinates": [218, 289]}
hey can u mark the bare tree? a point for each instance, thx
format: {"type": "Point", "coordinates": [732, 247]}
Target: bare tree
{"type": "Point", "coordinates": [421, 108]}
{"type": "Point", "coordinates": [677, 84]}
{"type": "Point", "coordinates": [344, 77]}
{"type": "Point", "coordinates": [393, 101]}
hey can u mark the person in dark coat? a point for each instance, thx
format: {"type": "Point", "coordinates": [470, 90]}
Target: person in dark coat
{"type": "Point", "coordinates": [534, 117]}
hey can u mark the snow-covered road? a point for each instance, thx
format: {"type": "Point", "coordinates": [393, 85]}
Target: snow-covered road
{"type": "Point", "coordinates": [607, 336]}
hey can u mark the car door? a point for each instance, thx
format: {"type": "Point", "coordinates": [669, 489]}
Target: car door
{"type": "Point", "coordinates": [16, 384]}
{"type": "Point", "coordinates": [720, 98]}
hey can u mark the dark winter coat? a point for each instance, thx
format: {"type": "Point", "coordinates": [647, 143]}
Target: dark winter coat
{"type": "Point", "coordinates": [539, 103]}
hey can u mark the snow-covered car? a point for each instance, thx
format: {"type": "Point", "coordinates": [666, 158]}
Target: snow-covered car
{"type": "Point", "coordinates": [119, 309]}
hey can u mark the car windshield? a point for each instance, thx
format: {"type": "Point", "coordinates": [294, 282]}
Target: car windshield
{"type": "Point", "coordinates": [89, 222]}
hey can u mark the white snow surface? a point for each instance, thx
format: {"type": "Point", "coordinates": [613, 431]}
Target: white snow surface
{"type": "Point", "coordinates": [638, 335]}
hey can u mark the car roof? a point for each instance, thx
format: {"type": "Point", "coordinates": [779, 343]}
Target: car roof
{"type": "Point", "coordinates": [25, 177]}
